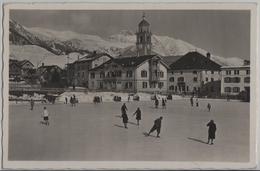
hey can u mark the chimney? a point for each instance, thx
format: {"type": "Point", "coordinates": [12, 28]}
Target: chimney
{"type": "Point", "coordinates": [208, 55]}
{"type": "Point", "coordinates": [43, 64]}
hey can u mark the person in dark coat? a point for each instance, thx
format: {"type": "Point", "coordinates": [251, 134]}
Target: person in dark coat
{"type": "Point", "coordinates": [71, 101]}
{"type": "Point", "coordinates": [32, 104]}
{"type": "Point", "coordinates": [156, 102]}
{"type": "Point", "coordinates": [66, 100]}
{"type": "Point", "coordinates": [125, 119]}
{"type": "Point", "coordinates": [191, 101]}
{"type": "Point", "coordinates": [138, 114]}
{"type": "Point", "coordinates": [163, 103]}
{"type": "Point", "coordinates": [123, 109]}
{"type": "Point", "coordinates": [157, 126]}
{"type": "Point", "coordinates": [209, 107]}
{"type": "Point", "coordinates": [211, 131]}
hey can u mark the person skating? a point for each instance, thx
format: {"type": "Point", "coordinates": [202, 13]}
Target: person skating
{"type": "Point", "coordinates": [138, 114]}
{"type": "Point", "coordinates": [211, 131]}
{"type": "Point", "coordinates": [32, 104]}
{"type": "Point", "coordinates": [197, 102]}
{"type": "Point", "coordinates": [209, 107]}
{"type": "Point", "coordinates": [66, 100]}
{"type": "Point", "coordinates": [156, 102]}
{"type": "Point", "coordinates": [45, 116]}
{"type": "Point", "coordinates": [191, 101]}
{"type": "Point", "coordinates": [163, 103]}
{"type": "Point", "coordinates": [157, 126]}
{"type": "Point", "coordinates": [123, 109]}
{"type": "Point", "coordinates": [125, 119]}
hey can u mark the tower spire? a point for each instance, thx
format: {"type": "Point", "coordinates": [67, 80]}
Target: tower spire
{"type": "Point", "coordinates": [143, 15]}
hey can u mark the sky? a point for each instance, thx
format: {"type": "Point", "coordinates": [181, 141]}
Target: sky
{"type": "Point", "coordinates": [222, 33]}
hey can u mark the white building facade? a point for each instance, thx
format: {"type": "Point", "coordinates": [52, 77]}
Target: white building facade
{"type": "Point", "coordinates": [235, 79]}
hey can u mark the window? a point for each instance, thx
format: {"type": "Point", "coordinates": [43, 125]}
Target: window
{"type": "Point", "coordinates": [161, 74]}
{"type": "Point", "coordinates": [171, 79]}
{"type": "Point", "coordinates": [247, 79]}
{"type": "Point", "coordinates": [195, 79]}
{"type": "Point", "coordinates": [171, 87]}
{"type": "Point", "coordinates": [227, 80]}
{"type": "Point", "coordinates": [160, 84]}
{"type": "Point", "coordinates": [207, 79]}
{"type": "Point", "coordinates": [128, 85]}
{"type": "Point", "coordinates": [236, 89]}
{"type": "Point", "coordinates": [181, 79]}
{"type": "Point", "coordinates": [227, 89]}
{"type": "Point", "coordinates": [118, 73]}
{"type": "Point", "coordinates": [247, 72]}
{"type": "Point", "coordinates": [143, 73]}
{"type": "Point", "coordinates": [144, 84]}
{"type": "Point", "coordinates": [129, 73]}
{"type": "Point", "coordinates": [108, 74]}
{"type": "Point", "coordinates": [228, 72]}
{"type": "Point", "coordinates": [236, 72]}
{"type": "Point", "coordinates": [152, 85]}
{"type": "Point", "coordinates": [187, 88]}
{"type": "Point", "coordinates": [78, 74]}
{"type": "Point", "coordinates": [82, 74]}
{"type": "Point", "coordinates": [212, 79]}
{"type": "Point", "coordinates": [102, 74]}
{"type": "Point", "coordinates": [194, 72]}
{"type": "Point", "coordinates": [236, 80]}
{"type": "Point", "coordinates": [92, 75]}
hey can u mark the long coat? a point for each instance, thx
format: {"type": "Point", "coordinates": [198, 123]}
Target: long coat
{"type": "Point", "coordinates": [212, 130]}
{"type": "Point", "coordinates": [138, 114]}
{"type": "Point", "coordinates": [125, 118]}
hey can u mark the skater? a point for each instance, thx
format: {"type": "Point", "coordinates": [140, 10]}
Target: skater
{"type": "Point", "coordinates": [197, 102]}
{"type": "Point", "coordinates": [209, 107]}
{"type": "Point", "coordinates": [128, 99]}
{"type": "Point", "coordinates": [66, 100]}
{"type": "Point", "coordinates": [157, 126]}
{"type": "Point", "coordinates": [163, 103]}
{"type": "Point", "coordinates": [138, 114]}
{"type": "Point", "coordinates": [32, 104]}
{"type": "Point", "coordinates": [211, 131]}
{"type": "Point", "coordinates": [45, 116]}
{"type": "Point", "coordinates": [123, 109]}
{"type": "Point", "coordinates": [156, 102]}
{"type": "Point", "coordinates": [71, 101]}
{"type": "Point", "coordinates": [191, 101]}
{"type": "Point", "coordinates": [125, 119]}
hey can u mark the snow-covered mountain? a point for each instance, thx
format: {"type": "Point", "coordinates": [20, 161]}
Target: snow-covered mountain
{"type": "Point", "coordinates": [55, 44]}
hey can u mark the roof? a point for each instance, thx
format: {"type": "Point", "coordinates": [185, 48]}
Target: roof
{"type": "Point", "coordinates": [168, 60]}
{"type": "Point", "coordinates": [127, 61]}
{"type": "Point", "coordinates": [21, 63]}
{"type": "Point", "coordinates": [235, 67]}
{"type": "Point", "coordinates": [49, 67]}
{"type": "Point", "coordinates": [92, 57]}
{"type": "Point", "coordinates": [144, 23]}
{"type": "Point", "coordinates": [194, 60]}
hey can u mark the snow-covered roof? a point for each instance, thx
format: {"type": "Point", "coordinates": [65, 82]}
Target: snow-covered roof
{"type": "Point", "coordinates": [236, 67]}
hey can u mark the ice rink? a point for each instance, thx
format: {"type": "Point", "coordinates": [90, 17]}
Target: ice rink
{"type": "Point", "coordinates": [94, 132]}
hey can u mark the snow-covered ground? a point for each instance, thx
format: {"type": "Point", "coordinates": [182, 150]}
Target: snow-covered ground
{"type": "Point", "coordinates": [94, 132]}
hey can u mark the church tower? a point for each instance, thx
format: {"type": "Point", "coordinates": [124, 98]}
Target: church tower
{"type": "Point", "coordinates": [143, 38]}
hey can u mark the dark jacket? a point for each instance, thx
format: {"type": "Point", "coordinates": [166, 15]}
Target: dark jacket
{"type": "Point", "coordinates": [212, 130]}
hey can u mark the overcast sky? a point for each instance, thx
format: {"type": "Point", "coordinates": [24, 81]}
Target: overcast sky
{"type": "Point", "coordinates": [223, 33]}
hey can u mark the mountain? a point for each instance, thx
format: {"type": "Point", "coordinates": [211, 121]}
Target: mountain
{"type": "Point", "coordinates": [55, 44]}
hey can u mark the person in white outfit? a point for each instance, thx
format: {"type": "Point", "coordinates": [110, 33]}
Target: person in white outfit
{"type": "Point", "coordinates": [45, 116]}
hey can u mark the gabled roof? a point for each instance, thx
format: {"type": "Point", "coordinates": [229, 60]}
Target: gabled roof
{"type": "Point", "coordinates": [92, 57]}
{"type": "Point", "coordinates": [168, 60]}
{"type": "Point", "coordinates": [129, 61]}
{"type": "Point", "coordinates": [194, 60]}
{"type": "Point", "coordinates": [144, 23]}
{"type": "Point", "coordinates": [21, 63]}
{"type": "Point", "coordinates": [49, 67]}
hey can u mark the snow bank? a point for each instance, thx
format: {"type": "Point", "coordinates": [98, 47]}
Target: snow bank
{"type": "Point", "coordinates": [87, 97]}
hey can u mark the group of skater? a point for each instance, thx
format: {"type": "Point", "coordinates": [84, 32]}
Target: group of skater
{"type": "Point", "coordinates": [197, 103]}
{"type": "Point", "coordinates": [156, 103]}
{"type": "Point", "coordinates": [73, 100]}
{"type": "Point", "coordinates": [138, 116]}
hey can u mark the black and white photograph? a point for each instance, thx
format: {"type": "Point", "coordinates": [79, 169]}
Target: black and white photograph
{"type": "Point", "coordinates": [111, 84]}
